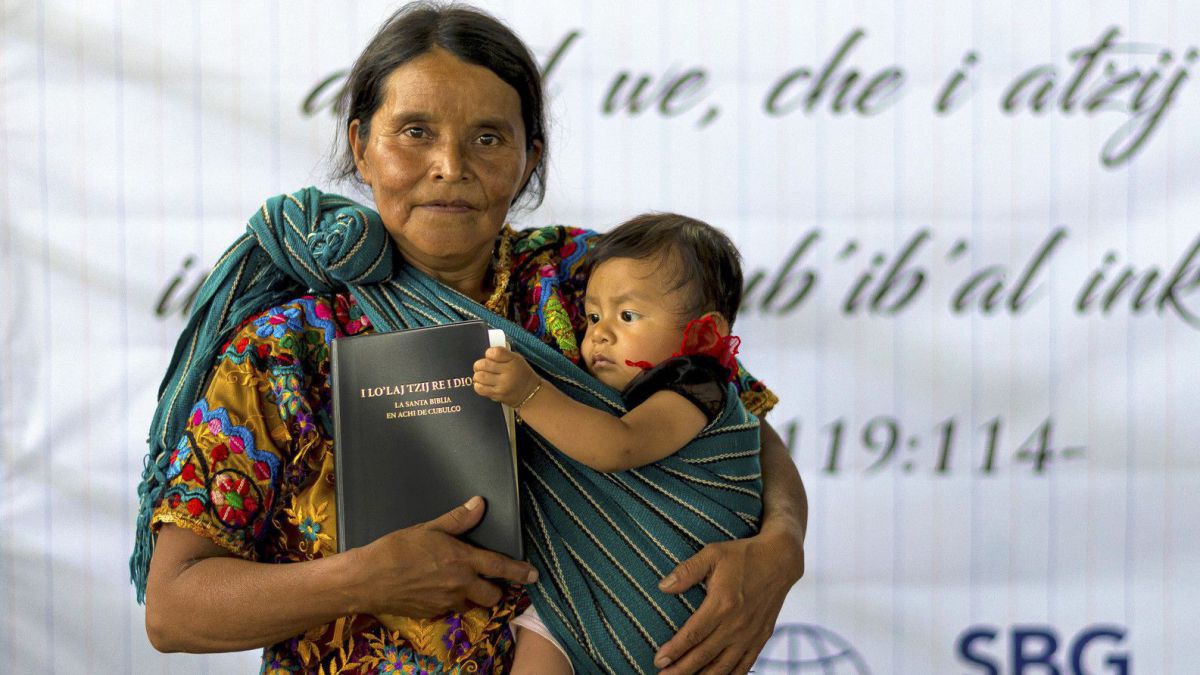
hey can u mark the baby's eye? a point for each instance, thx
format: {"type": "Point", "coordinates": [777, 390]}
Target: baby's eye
{"type": "Point", "coordinates": [593, 318]}
{"type": "Point", "coordinates": [629, 317]}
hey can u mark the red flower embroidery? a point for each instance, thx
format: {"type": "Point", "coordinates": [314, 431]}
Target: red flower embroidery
{"type": "Point", "coordinates": [241, 345]}
{"type": "Point", "coordinates": [353, 322]}
{"type": "Point", "coordinates": [234, 498]}
{"type": "Point", "coordinates": [189, 472]}
{"type": "Point", "coordinates": [195, 507]}
{"type": "Point", "coordinates": [220, 452]}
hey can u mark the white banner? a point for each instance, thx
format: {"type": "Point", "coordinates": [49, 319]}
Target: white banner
{"type": "Point", "coordinates": [974, 282]}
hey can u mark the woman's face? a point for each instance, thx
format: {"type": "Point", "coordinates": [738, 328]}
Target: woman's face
{"type": "Point", "coordinates": [445, 156]}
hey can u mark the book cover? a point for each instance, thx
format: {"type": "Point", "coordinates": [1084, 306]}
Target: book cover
{"type": "Point", "coordinates": [413, 439]}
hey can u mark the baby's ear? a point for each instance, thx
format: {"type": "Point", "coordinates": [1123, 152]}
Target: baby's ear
{"type": "Point", "coordinates": [719, 321]}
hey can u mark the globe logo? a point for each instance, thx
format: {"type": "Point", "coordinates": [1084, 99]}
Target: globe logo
{"type": "Point", "coordinates": [804, 648]}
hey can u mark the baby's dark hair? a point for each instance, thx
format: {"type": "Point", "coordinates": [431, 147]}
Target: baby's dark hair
{"type": "Point", "coordinates": [705, 261]}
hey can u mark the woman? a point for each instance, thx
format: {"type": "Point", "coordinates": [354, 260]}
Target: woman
{"type": "Point", "coordinates": [445, 124]}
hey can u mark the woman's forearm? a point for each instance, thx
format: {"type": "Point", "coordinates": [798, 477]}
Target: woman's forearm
{"type": "Point", "coordinates": [201, 599]}
{"type": "Point", "coordinates": [785, 503]}
{"type": "Point", "coordinates": [219, 603]}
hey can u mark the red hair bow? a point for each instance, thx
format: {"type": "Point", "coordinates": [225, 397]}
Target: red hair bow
{"type": "Point", "coordinates": [701, 338]}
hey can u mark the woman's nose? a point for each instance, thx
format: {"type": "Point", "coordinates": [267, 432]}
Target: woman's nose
{"type": "Point", "coordinates": [449, 162]}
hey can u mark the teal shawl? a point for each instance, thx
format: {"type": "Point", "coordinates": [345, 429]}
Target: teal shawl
{"type": "Point", "coordinates": [600, 541]}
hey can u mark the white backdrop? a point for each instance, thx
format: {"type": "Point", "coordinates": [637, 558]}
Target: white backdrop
{"type": "Point", "coordinates": [983, 321]}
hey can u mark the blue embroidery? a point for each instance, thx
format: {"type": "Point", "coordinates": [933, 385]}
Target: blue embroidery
{"type": "Point", "coordinates": [233, 431]}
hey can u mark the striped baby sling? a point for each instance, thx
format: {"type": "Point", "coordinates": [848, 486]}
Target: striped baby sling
{"type": "Point", "coordinates": [600, 541]}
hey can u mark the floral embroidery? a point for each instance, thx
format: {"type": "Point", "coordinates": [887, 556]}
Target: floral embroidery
{"type": "Point", "coordinates": [317, 314]}
{"type": "Point", "coordinates": [559, 325]}
{"type": "Point", "coordinates": [178, 458]}
{"type": "Point", "coordinates": [312, 526]}
{"type": "Point", "coordinates": [455, 639]}
{"type": "Point", "coordinates": [278, 321]}
{"type": "Point", "coordinates": [230, 436]}
{"type": "Point", "coordinates": [295, 474]}
{"type": "Point", "coordinates": [280, 664]}
{"type": "Point", "coordinates": [288, 393]}
{"type": "Point", "coordinates": [310, 530]}
{"type": "Point", "coordinates": [548, 266]}
{"type": "Point", "coordinates": [235, 497]}
{"type": "Point", "coordinates": [391, 662]}
{"type": "Point", "coordinates": [350, 315]}
{"type": "Point", "coordinates": [304, 423]}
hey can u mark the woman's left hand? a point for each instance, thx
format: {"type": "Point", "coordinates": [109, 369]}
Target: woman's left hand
{"type": "Point", "coordinates": [748, 580]}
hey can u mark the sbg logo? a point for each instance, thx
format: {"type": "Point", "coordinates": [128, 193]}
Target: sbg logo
{"type": "Point", "coordinates": [1095, 650]}
{"type": "Point", "coordinates": [800, 648]}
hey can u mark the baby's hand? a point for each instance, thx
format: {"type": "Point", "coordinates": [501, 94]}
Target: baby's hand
{"type": "Point", "coordinates": [504, 376]}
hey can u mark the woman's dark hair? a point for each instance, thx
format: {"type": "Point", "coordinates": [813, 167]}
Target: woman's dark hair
{"type": "Point", "coordinates": [466, 32]}
{"type": "Point", "coordinates": [703, 260]}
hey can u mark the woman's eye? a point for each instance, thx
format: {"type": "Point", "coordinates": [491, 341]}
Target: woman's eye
{"type": "Point", "coordinates": [415, 132]}
{"type": "Point", "coordinates": [628, 316]}
{"type": "Point", "coordinates": [489, 139]}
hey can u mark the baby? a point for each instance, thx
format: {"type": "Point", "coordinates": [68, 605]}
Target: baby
{"type": "Point", "coordinates": [661, 296]}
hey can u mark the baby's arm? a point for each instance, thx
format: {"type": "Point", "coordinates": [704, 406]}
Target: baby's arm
{"type": "Point", "coordinates": [653, 430]}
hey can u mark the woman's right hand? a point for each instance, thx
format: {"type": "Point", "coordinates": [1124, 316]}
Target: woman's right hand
{"type": "Point", "coordinates": [420, 571]}
{"type": "Point", "coordinates": [425, 570]}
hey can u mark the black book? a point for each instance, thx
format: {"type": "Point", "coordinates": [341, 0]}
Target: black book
{"type": "Point", "coordinates": [413, 439]}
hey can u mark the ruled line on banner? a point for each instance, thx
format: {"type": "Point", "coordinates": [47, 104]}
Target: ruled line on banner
{"type": "Point", "coordinates": [83, 322]}
{"type": "Point", "coordinates": [128, 450]}
{"type": "Point", "coordinates": [1167, 574]}
{"type": "Point", "coordinates": [897, 634]}
{"type": "Point", "coordinates": [198, 40]}
{"type": "Point", "coordinates": [1130, 378]}
{"type": "Point", "coordinates": [976, 189]}
{"type": "Point", "coordinates": [47, 353]}
{"type": "Point", "coordinates": [8, 423]}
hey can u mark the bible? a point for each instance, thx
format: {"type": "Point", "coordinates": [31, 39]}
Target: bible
{"type": "Point", "coordinates": [413, 439]}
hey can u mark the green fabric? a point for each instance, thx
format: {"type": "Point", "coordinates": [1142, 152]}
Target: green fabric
{"type": "Point", "coordinates": [294, 243]}
{"type": "Point", "coordinates": [600, 541]}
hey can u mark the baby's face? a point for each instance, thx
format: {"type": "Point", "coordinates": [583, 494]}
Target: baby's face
{"type": "Point", "coordinates": [630, 317]}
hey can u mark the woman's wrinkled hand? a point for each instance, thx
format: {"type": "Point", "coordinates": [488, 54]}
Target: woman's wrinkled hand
{"type": "Point", "coordinates": [425, 570]}
{"type": "Point", "coordinates": [747, 582]}
{"type": "Point", "coordinates": [504, 376]}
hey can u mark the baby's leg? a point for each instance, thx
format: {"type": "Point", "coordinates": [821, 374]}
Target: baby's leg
{"type": "Point", "coordinates": [535, 655]}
